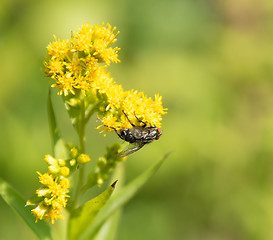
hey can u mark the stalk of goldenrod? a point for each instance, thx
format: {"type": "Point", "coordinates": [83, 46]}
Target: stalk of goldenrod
{"type": "Point", "coordinates": [77, 68]}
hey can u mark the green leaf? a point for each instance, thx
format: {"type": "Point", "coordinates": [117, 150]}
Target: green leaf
{"type": "Point", "coordinates": [74, 106]}
{"type": "Point", "coordinates": [17, 203]}
{"type": "Point", "coordinates": [55, 133]}
{"type": "Point", "coordinates": [60, 150]}
{"type": "Point", "coordinates": [110, 227]}
{"type": "Point", "coordinates": [33, 200]}
{"type": "Point", "coordinates": [58, 144]}
{"type": "Point", "coordinates": [122, 197]}
{"type": "Point", "coordinates": [82, 217]}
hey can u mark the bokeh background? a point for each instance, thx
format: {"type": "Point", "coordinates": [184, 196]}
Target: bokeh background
{"type": "Point", "coordinates": [212, 61]}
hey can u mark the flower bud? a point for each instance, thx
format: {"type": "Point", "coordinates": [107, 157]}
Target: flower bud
{"type": "Point", "coordinates": [61, 162]}
{"type": "Point", "coordinates": [42, 192]}
{"type": "Point", "coordinates": [72, 162]}
{"type": "Point", "coordinates": [50, 160]}
{"type": "Point", "coordinates": [54, 169]}
{"type": "Point", "coordinates": [83, 158]}
{"type": "Point", "coordinates": [64, 171]}
{"type": "Point", "coordinates": [74, 152]}
{"type": "Point", "coordinates": [100, 181]}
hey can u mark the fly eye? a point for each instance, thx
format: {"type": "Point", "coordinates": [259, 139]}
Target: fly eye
{"type": "Point", "coordinates": [159, 131]}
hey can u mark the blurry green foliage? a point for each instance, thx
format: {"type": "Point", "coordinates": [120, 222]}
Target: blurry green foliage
{"type": "Point", "coordinates": [212, 61]}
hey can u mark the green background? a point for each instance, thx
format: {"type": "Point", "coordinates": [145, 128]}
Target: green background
{"type": "Point", "coordinates": [212, 61]}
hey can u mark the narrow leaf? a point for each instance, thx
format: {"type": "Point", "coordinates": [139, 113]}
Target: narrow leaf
{"type": "Point", "coordinates": [60, 150]}
{"type": "Point", "coordinates": [58, 144]}
{"type": "Point", "coordinates": [122, 197]}
{"type": "Point", "coordinates": [17, 203]}
{"type": "Point", "coordinates": [110, 227]}
{"type": "Point", "coordinates": [54, 131]}
{"type": "Point", "coordinates": [74, 108]}
{"type": "Point", "coordinates": [82, 218]}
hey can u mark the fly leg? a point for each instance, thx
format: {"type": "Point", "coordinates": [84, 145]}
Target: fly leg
{"type": "Point", "coordinates": [144, 124]}
{"type": "Point", "coordinates": [115, 130]}
{"type": "Point", "coordinates": [112, 128]}
{"type": "Point", "coordinates": [128, 119]}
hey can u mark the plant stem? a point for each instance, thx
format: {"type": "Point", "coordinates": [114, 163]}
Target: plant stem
{"type": "Point", "coordinates": [90, 111]}
{"type": "Point", "coordinates": [81, 134]}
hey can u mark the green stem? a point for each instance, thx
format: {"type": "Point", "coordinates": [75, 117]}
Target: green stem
{"type": "Point", "coordinates": [90, 111]}
{"type": "Point", "coordinates": [81, 133]}
{"type": "Point", "coordinates": [78, 189]}
{"type": "Point", "coordinates": [82, 127]}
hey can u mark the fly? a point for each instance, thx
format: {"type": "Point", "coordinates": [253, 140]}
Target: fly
{"type": "Point", "coordinates": [137, 136]}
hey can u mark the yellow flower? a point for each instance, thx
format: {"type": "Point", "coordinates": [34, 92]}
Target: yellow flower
{"type": "Point", "coordinates": [57, 189]}
{"type": "Point", "coordinates": [105, 33]}
{"type": "Point", "coordinates": [105, 54]}
{"type": "Point", "coordinates": [54, 67]}
{"type": "Point", "coordinates": [45, 179]}
{"type": "Point", "coordinates": [136, 105]}
{"type": "Point", "coordinates": [109, 121]}
{"type": "Point", "coordinates": [39, 211]}
{"type": "Point", "coordinates": [82, 39]}
{"type": "Point", "coordinates": [65, 183]}
{"type": "Point", "coordinates": [115, 96]}
{"type": "Point", "coordinates": [65, 84]}
{"type": "Point", "coordinates": [54, 194]}
{"type": "Point", "coordinates": [53, 214]}
{"type": "Point", "coordinates": [74, 65]}
{"type": "Point", "coordinates": [58, 49]}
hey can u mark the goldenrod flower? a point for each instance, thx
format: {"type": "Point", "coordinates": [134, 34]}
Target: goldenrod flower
{"type": "Point", "coordinates": [103, 53]}
{"type": "Point", "coordinates": [115, 96]}
{"type": "Point", "coordinates": [78, 68]}
{"type": "Point", "coordinates": [58, 49]}
{"type": "Point", "coordinates": [74, 64]}
{"type": "Point", "coordinates": [109, 120]}
{"type": "Point", "coordinates": [134, 104]}
{"type": "Point", "coordinates": [54, 197]}
{"type": "Point", "coordinates": [39, 211]}
{"type": "Point", "coordinates": [46, 179]}
{"type": "Point", "coordinates": [105, 33]}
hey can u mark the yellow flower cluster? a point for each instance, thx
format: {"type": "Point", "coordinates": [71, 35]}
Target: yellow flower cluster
{"type": "Point", "coordinates": [54, 197]}
{"type": "Point", "coordinates": [136, 105]}
{"type": "Point", "coordinates": [74, 64]}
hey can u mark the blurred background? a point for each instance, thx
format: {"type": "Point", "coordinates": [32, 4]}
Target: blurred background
{"type": "Point", "coordinates": [212, 61]}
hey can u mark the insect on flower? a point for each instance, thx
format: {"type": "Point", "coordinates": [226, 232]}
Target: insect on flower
{"type": "Point", "coordinates": [138, 136]}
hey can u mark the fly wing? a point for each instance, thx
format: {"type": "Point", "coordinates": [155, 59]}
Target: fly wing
{"type": "Point", "coordinates": [133, 147]}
